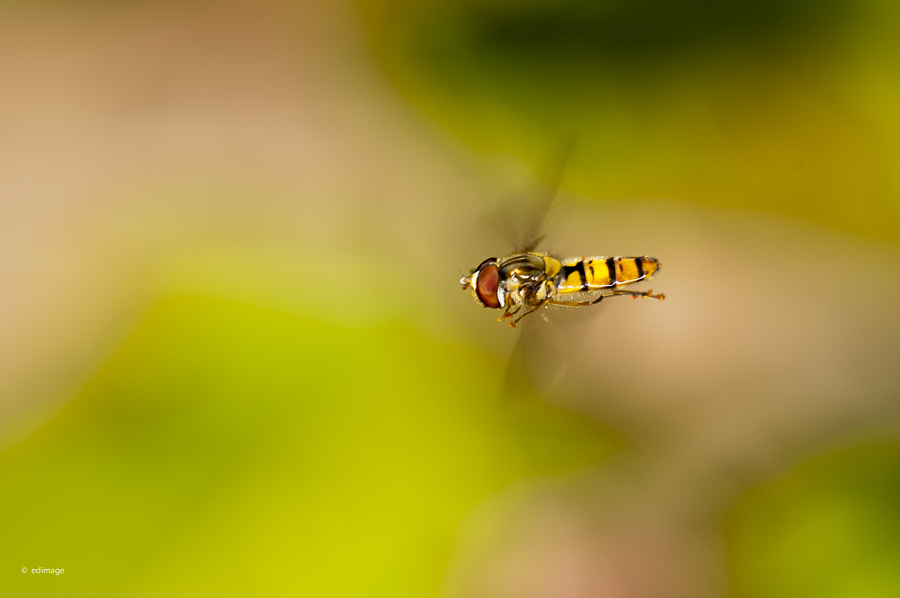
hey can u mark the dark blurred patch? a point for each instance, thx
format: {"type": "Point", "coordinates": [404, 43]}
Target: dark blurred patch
{"type": "Point", "coordinates": [648, 29]}
{"type": "Point", "coordinates": [550, 39]}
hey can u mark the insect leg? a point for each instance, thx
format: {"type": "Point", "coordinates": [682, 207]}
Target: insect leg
{"type": "Point", "coordinates": [636, 294]}
{"type": "Point", "coordinates": [578, 303]}
{"type": "Point", "coordinates": [511, 310]}
{"type": "Point", "coordinates": [513, 323]}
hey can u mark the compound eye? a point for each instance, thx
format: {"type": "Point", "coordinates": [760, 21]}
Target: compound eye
{"type": "Point", "coordinates": [486, 286]}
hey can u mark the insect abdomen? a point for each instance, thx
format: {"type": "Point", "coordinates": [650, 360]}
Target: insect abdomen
{"type": "Point", "coordinates": [594, 274]}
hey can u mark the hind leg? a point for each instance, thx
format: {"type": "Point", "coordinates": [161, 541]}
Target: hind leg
{"type": "Point", "coordinates": [634, 295]}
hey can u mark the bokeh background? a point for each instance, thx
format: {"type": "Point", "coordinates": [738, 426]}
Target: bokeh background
{"type": "Point", "coordinates": [235, 358]}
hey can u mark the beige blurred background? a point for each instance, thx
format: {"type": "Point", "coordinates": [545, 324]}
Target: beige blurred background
{"type": "Point", "coordinates": [146, 144]}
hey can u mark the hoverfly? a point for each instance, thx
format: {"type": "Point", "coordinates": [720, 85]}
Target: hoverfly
{"type": "Point", "coordinates": [528, 280]}
{"type": "Point", "coordinates": [524, 282]}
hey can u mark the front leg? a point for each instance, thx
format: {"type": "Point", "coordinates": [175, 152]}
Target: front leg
{"type": "Point", "coordinates": [511, 310]}
{"type": "Point", "coordinates": [512, 323]}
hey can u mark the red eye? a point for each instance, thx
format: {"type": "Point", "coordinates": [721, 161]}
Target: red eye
{"type": "Point", "coordinates": [487, 283]}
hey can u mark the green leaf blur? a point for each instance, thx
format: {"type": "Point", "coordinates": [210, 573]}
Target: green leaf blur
{"type": "Point", "coordinates": [828, 529]}
{"type": "Point", "coordinates": [785, 107]}
{"type": "Point", "coordinates": [230, 449]}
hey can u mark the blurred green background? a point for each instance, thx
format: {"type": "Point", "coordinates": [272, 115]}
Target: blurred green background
{"type": "Point", "coordinates": [236, 360]}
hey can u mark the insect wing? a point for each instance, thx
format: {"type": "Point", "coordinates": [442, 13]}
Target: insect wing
{"type": "Point", "coordinates": [539, 359]}
{"type": "Point", "coordinates": [522, 222]}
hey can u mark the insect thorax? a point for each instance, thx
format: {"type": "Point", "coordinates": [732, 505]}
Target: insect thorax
{"type": "Point", "coordinates": [528, 278]}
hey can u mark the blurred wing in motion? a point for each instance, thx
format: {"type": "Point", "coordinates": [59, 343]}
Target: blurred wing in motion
{"type": "Point", "coordinates": [539, 359]}
{"type": "Point", "coordinates": [546, 350]}
{"type": "Point", "coordinates": [540, 355]}
{"type": "Point", "coordinates": [521, 222]}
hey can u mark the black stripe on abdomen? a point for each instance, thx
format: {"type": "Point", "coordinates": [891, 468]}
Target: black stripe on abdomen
{"type": "Point", "coordinates": [567, 271]}
{"type": "Point", "coordinates": [579, 267]}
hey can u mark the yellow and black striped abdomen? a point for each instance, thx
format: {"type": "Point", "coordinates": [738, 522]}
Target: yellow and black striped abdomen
{"type": "Point", "coordinates": [594, 274]}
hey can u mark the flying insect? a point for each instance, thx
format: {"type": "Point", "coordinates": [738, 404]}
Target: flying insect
{"type": "Point", "coordinates": [524, 282]}
{"type": "Point", "coordinates": [527, 280]}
